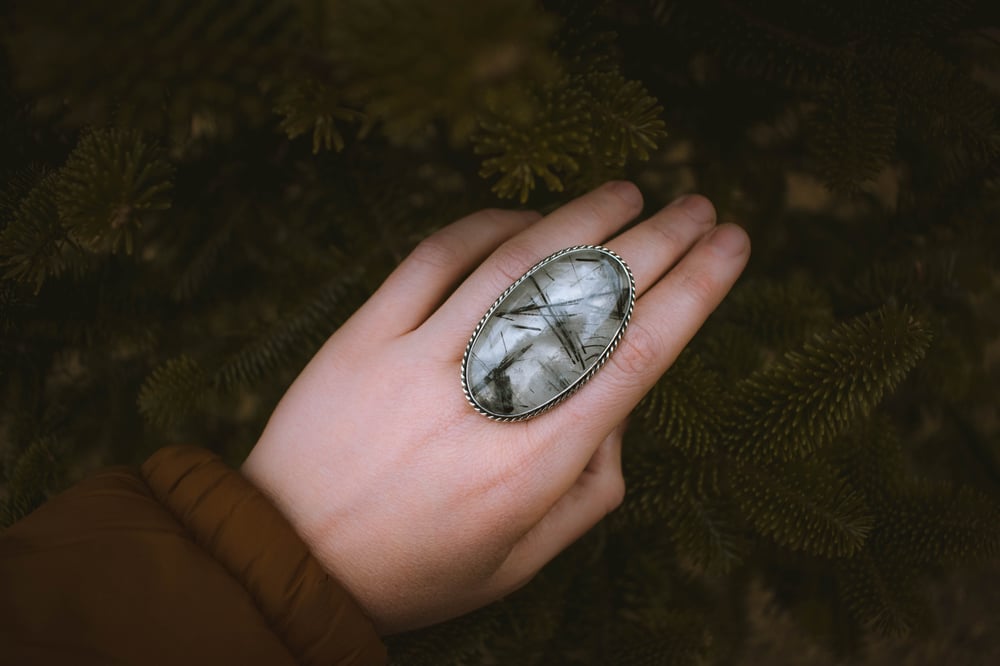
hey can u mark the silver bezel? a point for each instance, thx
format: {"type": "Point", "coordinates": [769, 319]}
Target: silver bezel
{"type": "Point", "coordinates": [584, 378]}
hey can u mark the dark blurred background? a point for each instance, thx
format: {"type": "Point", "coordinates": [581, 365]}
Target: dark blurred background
{"type": "Point", "coordinates": [196, 194]}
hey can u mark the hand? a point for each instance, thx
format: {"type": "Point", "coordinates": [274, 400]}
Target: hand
{"type": "Point", "coordinates": [424, 509]}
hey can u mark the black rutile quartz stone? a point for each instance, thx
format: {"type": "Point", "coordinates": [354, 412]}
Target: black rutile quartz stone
{"type": "Point", "coordinates": [556, 324]}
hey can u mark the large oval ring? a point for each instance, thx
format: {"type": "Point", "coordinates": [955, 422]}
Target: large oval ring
{"type": "Point", "coordinates": [548, 333]}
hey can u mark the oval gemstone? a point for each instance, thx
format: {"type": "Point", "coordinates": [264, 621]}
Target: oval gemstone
{"type": "Point", "coordinates": [548, 333]}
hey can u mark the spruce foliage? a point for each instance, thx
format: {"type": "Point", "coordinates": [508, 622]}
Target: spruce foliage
{"type": "Point", "coordinates": [110, 181]}
{"type": "Point", "coordinates": [195, 196]}
{"type": "Point", "coordinates": [800, 403]}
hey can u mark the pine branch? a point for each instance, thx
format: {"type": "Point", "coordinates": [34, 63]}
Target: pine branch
{"type": "Point", "coordinates": [316, 107]}
{"type": "Point", "coordinates": [882, 594]}
{"type": "Point", "coordinates": [761, 318]}
{"type": "Point", "coordinates": [516, 629]}
{"type": "Point", "coordinates": [680, 410]}
{"type": "Point", "coordinates": [679, 639]}
{"type": "Point", "coordinates": [18, 186]}
{"type": "Point", "coordinates": [804, 400]}
{"type": "Point", "coordinates": [942, 104]}
{"type": "Point", "coordinates": [891, 20]}
{"type": "Point", "coordinates": [172, 391]}
{"type": "Point", "coordinates": [547, 144]}
{"type": "Point", "coordinates": [291, 336]}
{"type": "Point", "coordinates": [411, 63]}
{"type": "Point", "coordinates": [198, 264]}
{"type": "Point", "coordinates": [805, 507]}
{"type": "Point", "coordinates": [708, 535]}
{"type": "Point", "coordinates": [12, 303]}
{"type": "Point", "coordinates": [627, 120]}
{"type": "Point", "coordinates": [852, 135]}
{"type": "Point", "coordinates": [35, 246]}
{"type": "Point", "coordinates": [933, 523]}
{"type": "Point", "coordinates": [186, 70]}
{"type": "Point", "coordinates": [458, 641]}
{"type": "Point", "coordinates": [38, 470]}
{"type": "Point", "coordinates": [576, 130]}
{"type": "Point", "coordinates": [683, 495]}
{"type": "Point", "coordinates": [871, 459]}
{"type": "Point", "coordinates": [796, 44]}
{"type": "Point", "coordinates": [112, 181]}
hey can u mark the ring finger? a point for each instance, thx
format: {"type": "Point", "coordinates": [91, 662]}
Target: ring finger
{"type": "Point", "coordinates": [588, 219]}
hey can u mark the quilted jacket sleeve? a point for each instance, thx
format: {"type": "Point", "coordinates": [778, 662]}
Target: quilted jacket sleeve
{"type": "Point", "coordinates": [183, 562]}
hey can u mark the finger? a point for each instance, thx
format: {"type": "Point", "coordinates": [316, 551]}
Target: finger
{"type": "Point", "coordinates": [598, 490]}
{"type": "Point", "coordinates": [652, 247]}
{"type": "Point", "coordinates": [663, 322]}
{"type": "Point", "coordinates": [585, 220]}
{"type": "Point", "coordinates": [430, 272]}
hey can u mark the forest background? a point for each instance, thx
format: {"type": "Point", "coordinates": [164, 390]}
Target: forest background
{"type": "Point", "coordinates": [195, 195]}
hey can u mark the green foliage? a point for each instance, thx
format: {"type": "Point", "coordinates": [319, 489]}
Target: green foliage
{"type": "Point", "coordinates": [172, 390]}
{"type": "Point", "coordinates": [188, 70]}
{"type": "Point", "coordinates": [627, 119]}
{"type": "Point", "coordinates": [281, 340]}
{"type": "Point", "coordinates": [36, 473]}
{"type": "Point", "coordinates": [775, 315]}
{"type": "Point", "coordinates": [578, 128]}
{"type": "Point", "coordinates": [885, 597]}
{"type": "Point", "coordinates": [803, 507]}
{"type": "Point", "coordinates": [406, 76]}
{"type": "Point", "coordinates": [316, 107]}
{"type": "Point", "coordinates": [790, 409]}
{"type": "Point", "coordinates": [18, 185]}
{"type": "Point", "coordinates": [546, 144]}
{"type": "Point", "coordinates": [855, 132]}
{"type": "Point", "coordinates": [936, 522]}
{"type": "Point", "coordinates": [871, 456]}
{"type": "Point", "coordinates": [96, 202]}
{"type": "Point", "coordinates": [258, 168]}
{"type": "Point", "coordinates": [679, 410]}
{"type": "Point", "coordinates": [34, 244]}
{"type": "Point", "coordinates": [678, 640]}
{"type": "Point", "coordinates": [583, 127]}
{"type": "Point", "coordinates": [111, 181]}
{"type": "Point", "coordinates": [704, 525]}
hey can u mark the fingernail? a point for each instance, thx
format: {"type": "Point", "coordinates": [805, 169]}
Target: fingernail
{"type": "Point", "coordinates": [729, 240]}
{"type": "Point", "coordinates": [627, 191]}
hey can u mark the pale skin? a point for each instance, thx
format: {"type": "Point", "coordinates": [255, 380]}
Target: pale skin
{"type": "Point", "coordinates": [421, 507]}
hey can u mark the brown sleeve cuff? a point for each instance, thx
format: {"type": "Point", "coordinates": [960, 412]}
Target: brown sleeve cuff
{"type": "Point", "coordinates": [229, 518]}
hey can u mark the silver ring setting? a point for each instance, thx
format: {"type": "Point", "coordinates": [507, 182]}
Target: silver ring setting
{"type": "Point", "coordinates": [548, 333]}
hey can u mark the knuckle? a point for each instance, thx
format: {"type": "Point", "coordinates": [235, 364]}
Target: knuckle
{"type": "Point", "coordinates": [507, 218]}
{"type": "Point", "coordinates": [639, 351]}
{"type": "Point", "coordinates": [626, 196]}
{"type": "Point", "coordinates": [438, 251]}
{"type": "Point", "coordinates": [700, 287]}
{"type": "Point", "coordinates": [600, 209]}
{"type": "Point", "coordinates": [699, 209]}
{"type": "Point", "coordinates": [668, 231]}
{"type": "Point", "coordinates": [496, 214]}
{"type": "Point", "coordinates": [512, 259]}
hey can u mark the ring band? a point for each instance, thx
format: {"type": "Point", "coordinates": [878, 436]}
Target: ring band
{"type": "Point", "coordinates": [548, 333]}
